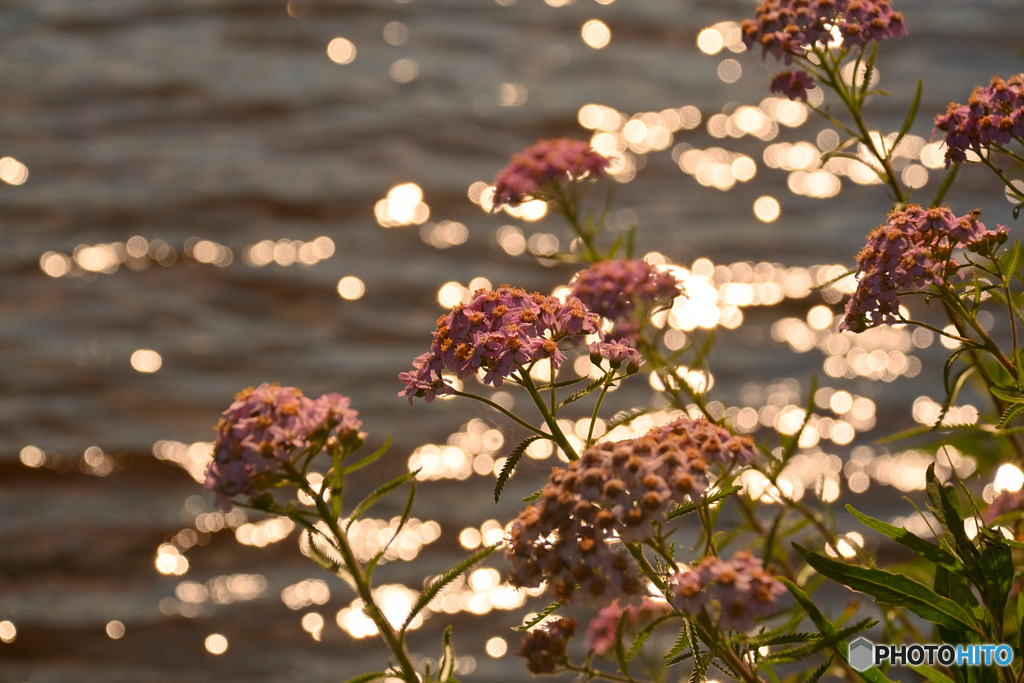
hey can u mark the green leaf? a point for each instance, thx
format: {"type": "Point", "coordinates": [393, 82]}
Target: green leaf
{"type": "Point", "coordinates": [1011, 412]}
{"type": "Point", "coordinates": [700, 669]}
{"type": "Point", "coordinates": [510, 465]}
{"type": "Point", "coordinates": [1008, 395]}
{"type": "Point", "coordinates": [820, 671]}
{"type": "Point", "coordinates": [690, 506]}
{"type": "Point", "coordinates": [869, 67]}
{"type": "Point", "coordinates": [948, 367]}
{"type": "Point", "coordinates": [540, 616]}
{"type": "Point", "coordinates": [372, 564]}
{"type": "Point", "coordinates": [533, 496]}
{"type": "Point", "coordinates": [947, 511]}
{"type": "Point", "coordinates": [366, 678]}
{"type": "Point", "coordinates": [871, 675]}
{"type": "Point", "coordinates": [566, 383]}
{"type": "Point", "coordinates": [923, 548]}
{"type": "Point", "coordinates": [625, 417]}
{"type": "Point", "coordinates": [1010, 259]}
{"type": "Point", "coordinates": [783, 639]}
{"type": "Point", "coordinates": [590, 388]}
{"type": "Point", "coordinates": [911, 115]}
{"type": "Point", "coordinates": [642, 637]}
{"type": "Point", "coordinates": [366, 503]}
{"type": "Point", "coordinates": [620, 652]}
{"type": "Point", "coordinates": [446, 667]}
{"type": "Point", "coordinates": [681, 643]}
{"type": "Point", "coordinates": [893, 589]}
{"type": "Point", "coordinates": [631, 239]}
{"type": "Point", "coordinates": [931, 674]}
{"type": "Point", "coordinates": [370, 459]}
{"type": "Point", "coordinates": [997, 567]}
{"type": "Point", "coordinates": [428, 593]}
{"type": "Point", "coordinates": [958, 383]}
{"type": "Point", "coordinates": [837, 278]}
{"type": "Point", "coordinates": [320, 557]}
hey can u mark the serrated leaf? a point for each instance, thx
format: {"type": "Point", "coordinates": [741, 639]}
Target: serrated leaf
{"type": "Point", "coordinates": [620, 652]}
{"type": "Point", "coordinates": [681, 643]}
{"type": "Point", "coordinates": [958, 383]}
{"type": "Point", "coordinates": [700, 669]}
{"type": "Point", "coordinates": [566, 383]}
{"type": "Point", "coordinates": [1011, 412]}
{"type": "Point", "coordinates": [783, 639]}
{"type": "Point", "coordinates": [533, 496]}
{"type": "Point", "coordinates": [372, 564]}
{"type": "Point", "coordinates": [893, 589]}
{"type": "Point", "coordinates": [625, 416]}
{"type": "Point", "coordinates": [911, 115]}
{"type": "Point", "coordinates": [944, 186]}
{"type": "Point", "coordinates": [320, 557]}
{"type": "Point", "coordinates": [923, 548]}
{"type": "Point", "coordinates": [642, 637]}
{"type": "Point", "coordinates": [1010, 259]}
{"type": "Point", "coordinates": [510, 465]}
{"type": "Point", "coordinates": [820, 671]}
{"type": "Point", "coordinates": [370, 459]}
{"type": "Point", "coordinates": [453, 572]}
{"type": "Point", "coordinates": [690, 506]}
{"type": "Point", "coordinates": [872, 674]}
{"type": "Point", "coordinates": [446, 667]}
{"type": "Point", "coordinates": [366, 503]}
{"type": "Point", "coordinates": [834, 280]}
{"type": "Point", "coordinates": [582, 393]}
{"type": "Point", "coordinates": [1005, 394]}
{"type": "Point", "coordinates": [540, 616]}
{"type": "Point", "coordinates": [931, 674]}
{"type": "Point", "coordinates": [948, 367]}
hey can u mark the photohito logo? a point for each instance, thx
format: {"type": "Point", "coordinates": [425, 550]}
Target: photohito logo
{"type": "Point", "coordinates": [864, 654]}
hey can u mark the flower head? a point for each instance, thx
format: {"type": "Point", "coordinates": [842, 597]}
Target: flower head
{"type": "Point", "coordinates": [993, 115]}
{"type": "Point", "coordinates": [601, 630]}
{"type": "Point", "coordinates": [617, 289]}
{"type": "Point", "coordinates": [741, 586]}
{"type": "Point", "coordinates": [614, 492]}
{"type": "Point", "coordinates": [793, 84]}
{"type": "Point", "coordinates": [498, 332]}
{"type": "Point", "coordinates": [264, 428]}
{"type": "Point", "coordinates": [785, 28]}
{"type": "Point", "coordinates": [544, 647]}
{"type": "Point", "coordinates": [546, 162]}
{"type": "Point", "coordinates": [911, 251]}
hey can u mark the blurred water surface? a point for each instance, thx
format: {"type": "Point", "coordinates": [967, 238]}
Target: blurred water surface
{"type": "Point", "coordinates": [226, 134]}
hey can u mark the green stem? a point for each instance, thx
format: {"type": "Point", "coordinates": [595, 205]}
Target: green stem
{"type": "Point", "coordinates": [499, 409]}
{"type": "Point", "coordinates": [597, 406]}
{"type": "Point", "coordinates": [549, 418]}
{"type": "Point", "coordinates": [594, 673]}
{"type": "Point", "coordinates": [394, 641]}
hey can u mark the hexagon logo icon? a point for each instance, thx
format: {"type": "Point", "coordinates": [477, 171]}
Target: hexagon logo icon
{"type": "Point", "coordinates": [862, 654]}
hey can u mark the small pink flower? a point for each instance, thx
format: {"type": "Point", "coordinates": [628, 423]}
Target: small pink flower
{"type": "Point", "coordinates": [546, 162]}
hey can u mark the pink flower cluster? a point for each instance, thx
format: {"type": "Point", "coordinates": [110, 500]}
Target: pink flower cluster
{"type": "Point", "coordinates": [263, 429]}
{"type": "Point", "coordinates": [614, 492]}
{"type": "Point", "coordinates": [910, 252]}
{"type": "Point", "coordinates": [601, 630]}
{"type": "Point", "coordinates": [543, 648]}
{"type": "Point", "coordinates": [499, 331]}
{"type": "Point", "coordinates": [546, 162]}
{"type": "Point", "coordinates": [786, 28]}
{"type": "Point", "coordinates": [1003, 503]}
{"type": "Point", "coordinates": [617, 289]}
{"type": "Point", "coordinates": [741, 586]}
{"type": "Point", "coordinates": [992, 116]}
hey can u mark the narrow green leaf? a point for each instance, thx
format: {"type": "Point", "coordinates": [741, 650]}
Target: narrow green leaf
{"type": "Point", "coordinates": [871, 675]}
{"type": "Point", "coordinates": [1008, 395]}
{"type": "Point", "coordinates": [893, 589]}
{"type": "Point", "coordinates": [590, 388]}
{"type": "Point", "coordinates": [947, 182]}
{"type": "Point", "coordinates": [931, 674]}
{"type": "Point", "coordinates": [948, 367]}
{"type": "Point", "coordinates": [834, 280]}
{"type": "Point", "coordinates": [642, 637]}
{"type": "Point", "coordinates": [446, 667]}
{"type": "Point", "coordinates": [690, 506]}
{"type": "Point", "coordinates": [540, 616]}
{"type": "Point", "coordinates": [911, 115]}
{"type": "Point", "coordinates": [1011, 412]}
{"type": "Point", "coordinates": [620, 652]}
{"type": "Point", "coordinates": [631, 239]}
{"type": "Point", "coordinates": [510, 465]}
{"type": "Point", "coordinates": [997, 567]}
{"type": "Point", "coordinates": [320, 557]}
{"type": "Point", "coordinates": [783, 639]}
{"type": "Point", "coordinates": [566, 383]}
{"type": "Point", "coordinates": [533, 496]}
{"type": "Point", "coordinates": [366, 503]}
{"type": "Point", "coordinates": [869, 67]}
{"type": "Point", "coordinates": [370, 459]}
{"type": "Point", "coordinates": [1010, 259]}
{"type": "Point", "coordinates": [820, 671]}
{"type": "Point", "coordinates": [700, 668]}
{"type": "Point", "coordinates": [625, 417]}
{"type": "Point", "coordinates": [372, 564]}
{"type": "Point", "coordinates": [681, 643]}
{"type": "Point", "coordinates": [615, 246]}
{"type": "Point", "coordinates": [428, 593]}
{"type": "Point", "coordinates": [946, 509]}
{"type": "Point", "coordinates": [923, 548]}
{"type": "Point", "coordinates": [958, 383]}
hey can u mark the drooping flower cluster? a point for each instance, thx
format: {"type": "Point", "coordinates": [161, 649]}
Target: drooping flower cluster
{"type": "Point", "coordinates": [264, 428]}
{"type": "Point", "coordinates": [617, 289]}
{"type": "Point", "coordinates": [786, 28]}
{"type": "Point", "coordinates": [741, 586]}
{"type": "Point", "coordinates": [614, 492]}
{"type": "Point", "coordinates": [793, 84]}
{"type": "Point", "coordinates": [912, 250]}
{"type": "Point", "coordinates": [499, 331]}
{"type": "Point", "coordinates": [601, 630]}
{"type": "Point", "coordinates": [544, 647]}
{"type": "Point", "coordinates": [993, 115]}
{"type": "Point", "coordinates": [546, 162]}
